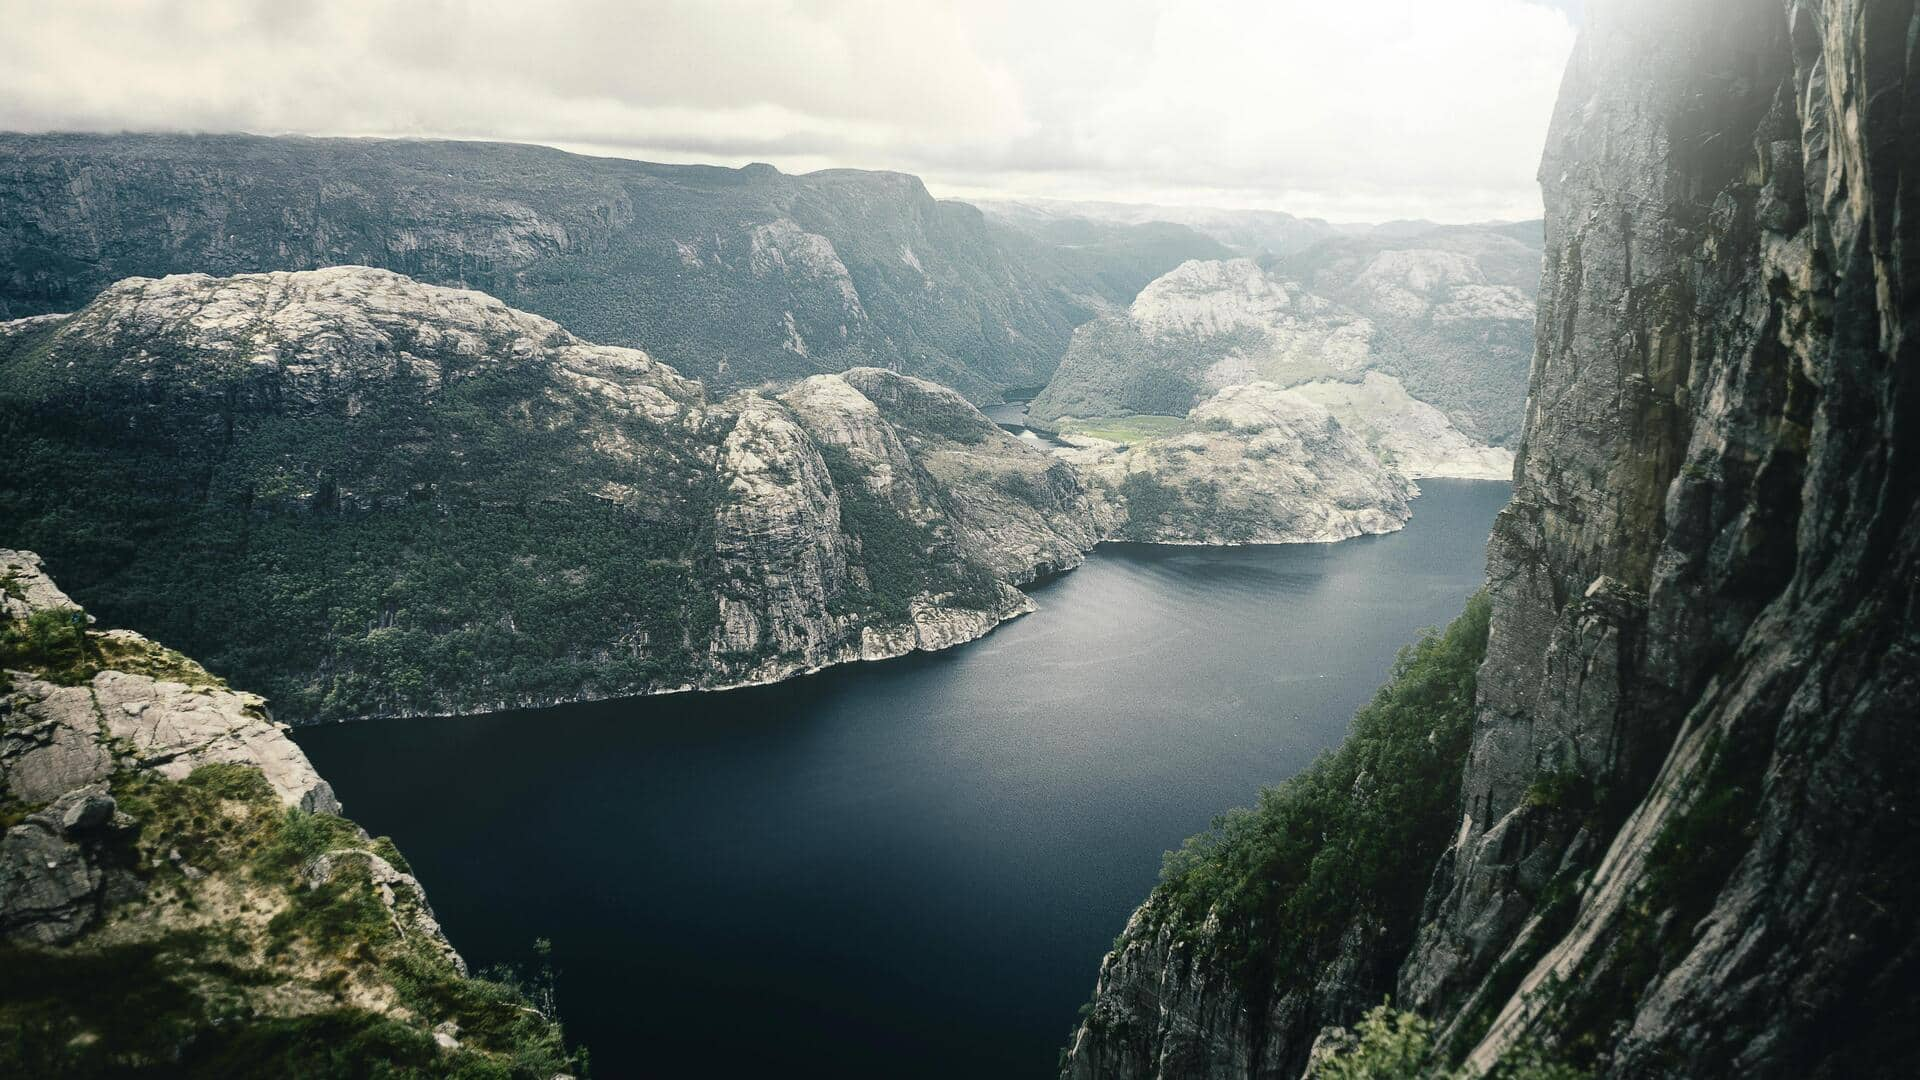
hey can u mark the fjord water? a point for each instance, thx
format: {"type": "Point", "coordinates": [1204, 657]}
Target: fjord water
{"type": "Point", "coordinates": [909, 868]}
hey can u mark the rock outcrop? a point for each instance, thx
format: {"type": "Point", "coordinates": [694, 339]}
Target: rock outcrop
{"type": "Point", "coordinates": [1407, 433]}
{"type": "Point", "coordinates": [165, 844]}
{"type": "Point", "coordinates": [375, 497]}
{"type": "Point", "coordinates": [1211, 325]}
{"type": "Point", "coordinates": [1687, 802]}
{"type": "Point", "coordinates": [1452, 308]}
{"type": "Point", "coordinates": [1196, 330]}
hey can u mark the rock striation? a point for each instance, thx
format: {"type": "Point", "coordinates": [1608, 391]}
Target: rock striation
{"type": "Point", "coordinates": [1686, 800]}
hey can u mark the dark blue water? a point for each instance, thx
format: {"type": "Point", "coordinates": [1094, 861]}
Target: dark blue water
{"type": "Point", "coordinates": [909, 868]}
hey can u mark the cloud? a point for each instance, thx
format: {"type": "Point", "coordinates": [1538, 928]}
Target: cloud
{"type": "Point", "coordinates": [1367, 108]}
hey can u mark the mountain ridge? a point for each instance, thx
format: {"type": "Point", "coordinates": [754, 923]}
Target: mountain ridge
{"type": "Point", "coordinates": [734, 276]}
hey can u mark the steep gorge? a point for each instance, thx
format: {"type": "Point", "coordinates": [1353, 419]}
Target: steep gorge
{"type": "Point", "coordinates": [1684, 809]}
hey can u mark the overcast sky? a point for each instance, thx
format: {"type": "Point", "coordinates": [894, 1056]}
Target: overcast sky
{"type": "Point", "coordinates": [1348, 109]}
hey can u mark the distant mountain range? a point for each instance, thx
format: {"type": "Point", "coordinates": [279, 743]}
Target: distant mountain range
{"type": "Point", "coordinates": [1447, 310]}
{"type": "Point", "coordinates": [739, 277]}
{"type": "Point", "coordinates": [734, 276]}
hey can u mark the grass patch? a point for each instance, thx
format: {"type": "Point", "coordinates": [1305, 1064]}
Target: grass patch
{"type": "Point", "coordinates": [188, 1005]}
{"type": "Point", "coordinates": [1125, 429]}
{"type": "Point", "coordinates": [55, 644]}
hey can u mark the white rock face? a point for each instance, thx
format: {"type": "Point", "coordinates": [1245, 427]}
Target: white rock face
{"type": "Point", "coordinates": [1408, 433]}
{"type": "Point", "coordinates": [58, 738]}
{"type": "Point", "coordinates": [1281, 328]}
{"type": "Point", "coordinates": [1263, 465]}
{"type": "Point", "coordinates": [782, 246]}
{"type": "Point", "coordinates": [27, 325]}
{"type": "Point", "coordinates": [788, 558]}
{"type": "Point", "coordinates": [778, 538]}
{"type": "Point", "coordinates": [319, 328]}
{"type": "Point", "coordinates": [1415, 282]}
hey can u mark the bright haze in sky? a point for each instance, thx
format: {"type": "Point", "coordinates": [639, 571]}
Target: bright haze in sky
{"type": "Point", "coordinates": [1350, 110]}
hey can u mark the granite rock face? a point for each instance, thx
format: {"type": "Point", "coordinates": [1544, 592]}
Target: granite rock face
{"type": "Point", "coordinates": [1702, 593]}
{"type": "Point", "coordinates": [1687, 807]}
{"type": "Point", "coordinates": [61, 744]}
{"type": "Point", "coordinates": [1204, 326]}
{"type": "Point", "coordinates": [1211, 325]}
{"type": "Point", "coordinates": [61, 738]}
{"type": "Point", "coordinates": [1447, 311]}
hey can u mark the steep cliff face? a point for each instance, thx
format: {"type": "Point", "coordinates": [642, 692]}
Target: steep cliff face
{"type": "Point", "coordinates": [1686, 810]}
{"type": "Point", "coordinates": [733, 276]}
{"type": "Point", "coordinates": [1703, 592]}
{"type": "Point", "coordinates": [177, 885]}
{"type": "Point", "coordinates": [371, 496]}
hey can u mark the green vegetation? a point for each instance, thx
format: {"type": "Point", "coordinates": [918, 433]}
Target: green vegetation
{"type": "Point", "coordinates": [1349, 839]}
{"type": "Point", "coordinates": [408, 555]}
{"type": "Point", "coordinates": [53, 642]}
{"type": "Point", "coordinates": [1565, 788]}
{"type": "Point", "coordinates": [1385, 1045]}
{"type": "Point", "coordinates": [900, 558]}
{"type": "Point", "coordinates": [1125, 429]}
{"type": "Point", "coordinates": [230, 1000]}
{"type": "Point", "coordinates": [1388, 1044]}
{"type": "Point", "coordinates": [1152, 500]}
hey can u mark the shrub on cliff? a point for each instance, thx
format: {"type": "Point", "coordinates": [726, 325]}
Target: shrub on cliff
{"type": "Point", "coordinates": [1351, 838]}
